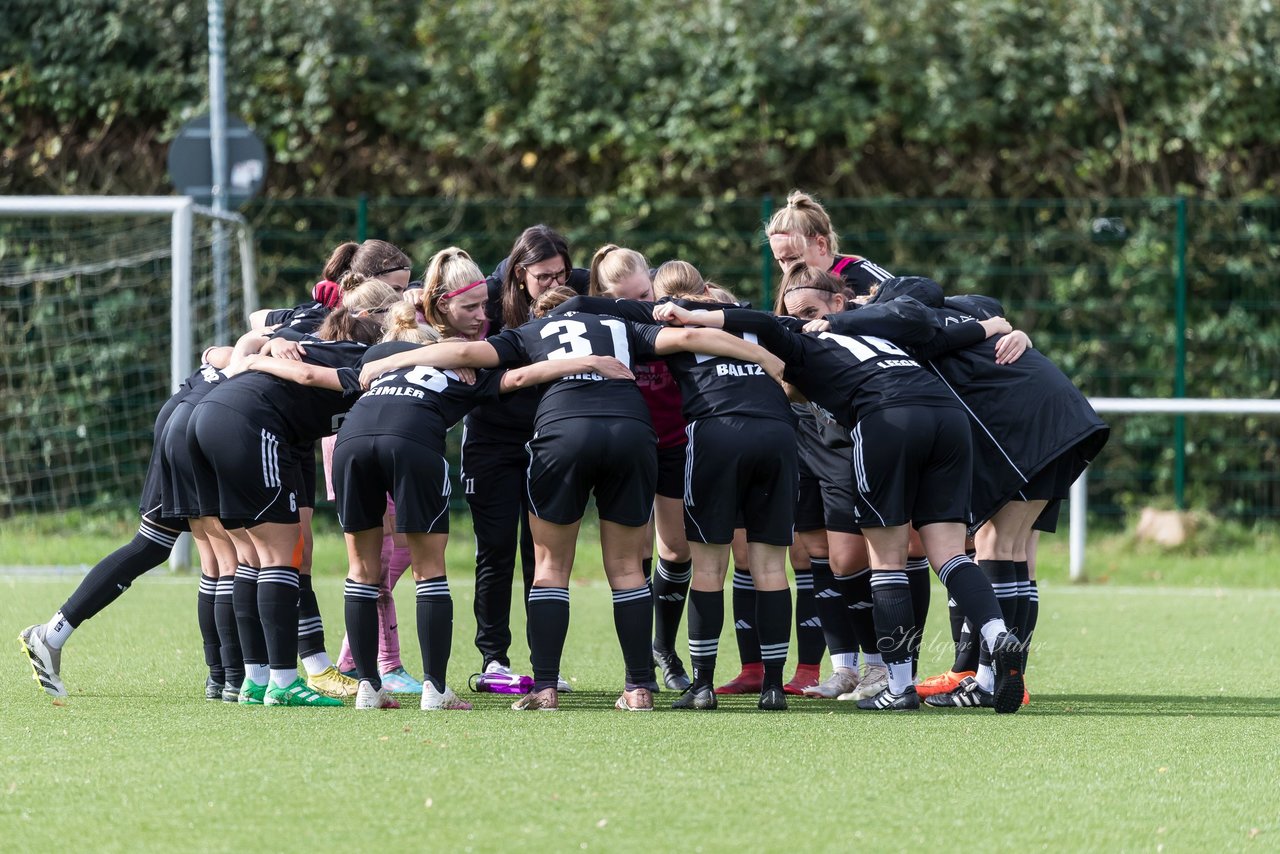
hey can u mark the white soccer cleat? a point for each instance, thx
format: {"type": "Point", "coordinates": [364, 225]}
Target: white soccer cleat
{"type": "Point", "coordinates": [441, 701]}
{"type": "Point", "coordinates": [843, 680]}
{"type": "Point", "coordinates": [562, 685]}
{"type": "Point", "coordinates": [46, 662]}
{"type": "Point", "coordinates": [874, 680]}
{"type": "Point", "coordinates": [367, 697]}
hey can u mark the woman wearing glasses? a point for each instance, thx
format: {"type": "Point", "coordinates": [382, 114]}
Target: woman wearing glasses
{"type": "Point", "coordinates": [494, 459]}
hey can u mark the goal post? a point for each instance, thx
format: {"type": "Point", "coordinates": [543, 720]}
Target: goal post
{"type": "Point", "coordinates": [182, 210]}
{"type": "Point", "coordinates": [82, 363]}
{"type": "Point", "coordinates": [1078, 503]}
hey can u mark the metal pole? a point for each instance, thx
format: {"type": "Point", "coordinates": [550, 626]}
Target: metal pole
{"type": "Point", "coordinates": [1079, 510]}
{"type": "Point", "coordinates": [218, 159]}
{"type": "Point", "coordinates": [181, 357]}
{"type": "Point", "coordinates": [1180, 360]}
{"type": "Point", "coordinates": [766, 255]}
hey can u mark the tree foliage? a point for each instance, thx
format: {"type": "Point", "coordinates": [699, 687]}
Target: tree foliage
{"type": "Point", "coordinates": [606, 98]}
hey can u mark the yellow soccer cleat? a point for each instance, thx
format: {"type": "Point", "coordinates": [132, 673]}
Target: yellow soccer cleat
{"type": "Point", "coordinates": [332, 683]}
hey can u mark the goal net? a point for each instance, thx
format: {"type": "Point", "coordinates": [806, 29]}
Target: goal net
{"type": "Point", "coordinates": [105, 303]}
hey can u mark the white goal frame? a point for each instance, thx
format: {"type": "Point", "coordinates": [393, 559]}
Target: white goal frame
{"type": "Point", "coordinates": [1079, 500]}
{"type": "Point", "coordinates": [181, 211]}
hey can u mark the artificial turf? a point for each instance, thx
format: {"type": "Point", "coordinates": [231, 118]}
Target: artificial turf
{"type": "Point", "coordinates": [1154, 721]}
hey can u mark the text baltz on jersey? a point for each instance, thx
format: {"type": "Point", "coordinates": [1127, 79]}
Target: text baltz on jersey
{"type": "Point", "coordinates": [723, 370]}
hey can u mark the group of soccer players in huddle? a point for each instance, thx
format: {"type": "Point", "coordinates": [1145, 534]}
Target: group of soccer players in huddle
{"type": "Point", "coordinates": [869, 429]}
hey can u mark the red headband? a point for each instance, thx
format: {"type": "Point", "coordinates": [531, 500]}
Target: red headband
{"type": "Point", "coordinates": [462, 290]}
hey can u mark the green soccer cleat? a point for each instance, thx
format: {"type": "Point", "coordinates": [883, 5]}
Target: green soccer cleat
{"type": "Point", "coordinates": [298, 694]}
{"type": "Point", "coordinates": [251, 693]}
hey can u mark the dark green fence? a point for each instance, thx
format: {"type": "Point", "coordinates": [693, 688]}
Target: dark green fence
{"type": "Point", "coordinates": [1133, 298]}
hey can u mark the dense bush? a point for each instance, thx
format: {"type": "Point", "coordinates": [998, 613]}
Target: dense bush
{"type": "Point", "coordinates": [599, 98]}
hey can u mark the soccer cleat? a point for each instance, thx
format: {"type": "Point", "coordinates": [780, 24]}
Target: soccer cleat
{"type": "Point", "coordinates": [562, 685]}
{"type": "Point", "coordinates": [441, 701]}
{"type": "Point", "coordinates": [230, 693]}
{"type": "Point", "coordinates": [874, 680]}
{"type": "Point", "coordinates": [749, 681]}
{"type": "Point", "coordinates": [368, 697]}
{"type": "Point", "coordinates": [842, 680]}
{"type": "Point", "coordinates": [1026, 697]}
{"type": "Point", "coordinates": [46, 662]}
{"type": "Point", "coordinates": [887, 701]}
{"type": "Point", "coordinates": [212, 689]}
{"type": "Point", "coordinates": [772, 699]}
{"type": "Point", "coordinates": [674, 675]}
{"type": "Point", "coordinates": [700, 699]}
{"type": "Point", "coordinates": [807, 676]}
{"type": "Point", "coordinates": [967, 695]}
{"type": "Point", "coordinates": [1006, 661]}
{"type": "Point", "coordinates": [546, 700]}
{"type": "Point", "coordinates": [943, 683]}
{"type": "Point", "coordinates": [300, 695]}
{"type": "Point", "coordinates": [399, 681]}
{"type": "Point", "coordinates": [331, 683]}
{"type": "Point", "coordinates": [251, 693]}
{"type": "Point", "coordinates": [635, 700]}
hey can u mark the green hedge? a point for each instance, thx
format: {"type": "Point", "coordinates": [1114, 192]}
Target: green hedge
{"type": "Point", "coordinates": [606, 98]}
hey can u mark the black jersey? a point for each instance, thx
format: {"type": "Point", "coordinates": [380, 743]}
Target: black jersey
{"type": "Point", "coordinates": [710, 386]}
{"type": "Point", "coordinates": [511, 419]}
{"type": "Point", "coordinates": [858, 273]}
{"type": "Point", "coordinates": [297, 413]}
{"type": "Point", "coordinates": [1025, 414]}
{"type": "Point", "coordinates": [573, 335]}
{"type": "Point", "coordinates": [852, 375]}
{"type": "Point", "coordinates": [417, 403]}
{"type": "Point", "coordinates": [305, 318]}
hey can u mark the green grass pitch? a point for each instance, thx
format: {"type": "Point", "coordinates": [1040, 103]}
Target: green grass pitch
{"type": "Point", "coordinates": [1154, 725]}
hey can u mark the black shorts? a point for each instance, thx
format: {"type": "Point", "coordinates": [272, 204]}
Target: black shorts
{"type": "Point", "coordinates": [614, 457]}
{"type": "Point", "coordinates": [830, 467]}
{"type": "Point", "coordinates": [306, 455]}
{"type": "Point", "coordinates": [181, 497]}
{"type": "Point", "coordinates": [244, 474]}
{"type": "Point", "coordinates": [671, 472]}
{"type": "Point", "coordinates": [809, 504]}
{"type": "Point", "coordinates": [912, 464]}
{"type": "Point", "coordinates": [744, 466]}
{"type": "Point", "coordinates": [1047, 521]}
{"type": "Point", "coordinates": [366, 468]}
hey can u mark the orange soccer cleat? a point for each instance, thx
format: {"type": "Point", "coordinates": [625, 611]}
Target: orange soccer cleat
{"type": "Point", "coordinates": [943, 683]}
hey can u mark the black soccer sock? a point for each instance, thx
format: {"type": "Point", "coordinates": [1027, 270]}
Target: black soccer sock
{"type": "Point", "coordinates": [810, 643]}
{"type": "Point", "coordinates": [969, 587]}
{"type": "Point", "coordinates": [149, 548]}
{"type": "Point", "coordinates": [706, 620]}
{"type": "Point", "coordinates": [360, 608]}
{"type": "Point", "coordinates": [1004, 584]}
{"type": "Point", "coordinates": [548, 627]}
{"type": "Point", "coordinates": [773, 617]}
{"type": "Point", "coordinates": [209, 626]}
{"type": "Point", "coordinates": [1029, 626]}
{"type": "Point", "coordinates": [253, 641]}
{"type": "Point", "coordinates": [670, 589]}
{"type": "Point", "coordinates": [968, 647]}
{"type": "Point", "coordinates": [918, 578]}
{"type": "Point", "coordinates": [744, 617]}
{"type": "Point", "coordinates": [837, 629]}
{"type": "Point", "coordinates": [224, 617]}
{"type": "Point", "coordinates": [435, 628]}
{"type": "Point", "coordinates": [278, 607]}
{"type": "Point", "coordinates": [633, 621]}
{"type": "Point", "coordinates": [855, 591]}
{"type": "Point", "coordinates": [1021, 577]}
{"type": "Point", "coordinates": [310, 626]}
{"type": "Point", "coordinates": [895, 624]}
